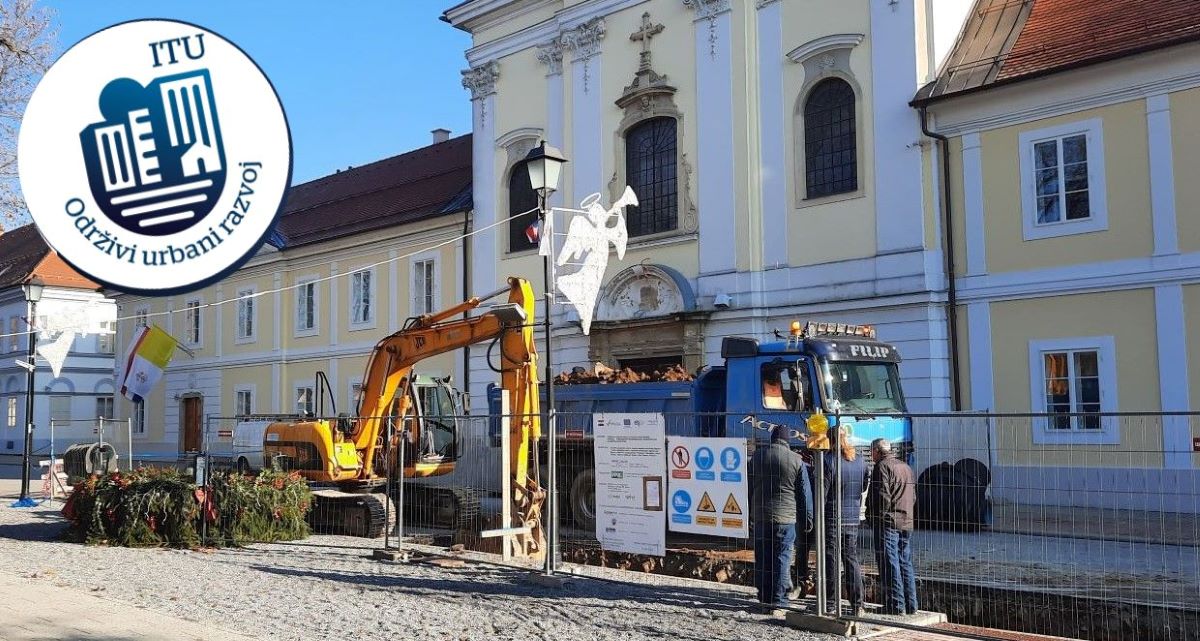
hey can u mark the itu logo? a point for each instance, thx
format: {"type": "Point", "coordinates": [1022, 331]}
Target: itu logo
{"type": "Point", "coordinates": [154, 156]}
{"type": "Point", "coordinates": [156, 164]}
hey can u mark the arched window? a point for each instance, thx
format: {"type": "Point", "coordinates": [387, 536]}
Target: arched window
{"type": "Point", "coordinates": [521, 198]}
{"type": "Point", "coordinates": [830, 140]}
{"type": "Point", "coordinates": [650, 168]}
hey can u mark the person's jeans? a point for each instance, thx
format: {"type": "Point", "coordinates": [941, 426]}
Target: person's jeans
{"type": "Point", "coordinates": [897, 579]}
{"type": "Point", "coordinates": [851, 568]}
{"type": "Point", "coordinates": [772, 556]}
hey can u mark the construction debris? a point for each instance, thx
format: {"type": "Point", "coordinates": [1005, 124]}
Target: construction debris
{"type": "Point", "coordinates": [602, 374]}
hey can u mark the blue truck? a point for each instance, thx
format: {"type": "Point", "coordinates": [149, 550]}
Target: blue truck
{"type": "Point", "coordinates": [843, 370]}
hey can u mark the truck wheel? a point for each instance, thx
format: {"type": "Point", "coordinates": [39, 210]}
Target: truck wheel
{"type": "Point", "coordinates": [583, 500]}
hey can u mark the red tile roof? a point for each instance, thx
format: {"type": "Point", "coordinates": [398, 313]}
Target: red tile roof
{"type": "Point", "coordinates": [410, 187]}
{"type": "Point", "coordinates": [24, 253]}
{"type": "Point", "coordinates": [1062, 33]}
{"type": "Point", "coordinates": [1011, 40]}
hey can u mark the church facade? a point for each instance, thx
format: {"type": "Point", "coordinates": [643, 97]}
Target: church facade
{"type": "Point", "coordinates": [780, 170]}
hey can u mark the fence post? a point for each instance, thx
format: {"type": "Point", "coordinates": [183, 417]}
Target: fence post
{"type": "Point", "coordinates": [129, 439]}
{"type": "Point", "coordinates": [387, 493]}
{"type": "Point", "coordinates": [818, 528]}
{"type": "Point", "coordinates": [835, 445]}
{"type": "Point", "coordinates": [400, 497]}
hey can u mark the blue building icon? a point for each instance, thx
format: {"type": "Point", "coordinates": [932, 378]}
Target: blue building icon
{"type": "Point", "coordinates": [156, 164]}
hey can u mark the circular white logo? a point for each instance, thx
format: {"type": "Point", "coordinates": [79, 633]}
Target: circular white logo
{"type": "Point", "coordinates": [154, 156]}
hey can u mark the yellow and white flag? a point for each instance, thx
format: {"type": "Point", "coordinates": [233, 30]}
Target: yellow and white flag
{"type": "Point", "coordinates": [149, 352]}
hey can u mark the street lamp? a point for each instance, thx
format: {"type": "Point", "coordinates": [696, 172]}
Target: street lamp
{"type": "Point", "coordinates": [545, 165]}
{"type": "Point", "coordinates": [33, 293]}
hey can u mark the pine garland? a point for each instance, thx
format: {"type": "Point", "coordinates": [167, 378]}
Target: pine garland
{"type": "Point", "coordinates": [161, 507]}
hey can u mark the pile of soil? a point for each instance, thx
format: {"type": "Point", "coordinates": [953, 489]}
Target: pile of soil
{"type": "Point", "coordinates": [602, 374]}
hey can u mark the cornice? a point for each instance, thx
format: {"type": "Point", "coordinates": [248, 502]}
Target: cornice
{"type": "Point", "coordinates": [481, 80]}
{"type": "Point", "coordinates": [708, 9]}
{"type": "Point", "coordinates": [824, 45]}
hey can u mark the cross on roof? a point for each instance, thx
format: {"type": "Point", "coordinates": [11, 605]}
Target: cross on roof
{"type": "Point", "coordinates": [647, 31]}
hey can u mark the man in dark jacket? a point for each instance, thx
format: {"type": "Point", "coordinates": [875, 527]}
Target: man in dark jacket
{"type": "Point", "coordinates": [779, 488]}
{"type": "Point", "coordinates": [844, 491]}
{"type": "Point", "coordinates": [891, 497]}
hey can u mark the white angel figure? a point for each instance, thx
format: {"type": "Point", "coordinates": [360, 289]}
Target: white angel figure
{"type": "Point", "coordinates": [586, 247]}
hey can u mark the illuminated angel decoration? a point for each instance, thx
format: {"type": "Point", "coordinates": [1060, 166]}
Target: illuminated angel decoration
{"type": "Point", "coordinates": [586, 249]}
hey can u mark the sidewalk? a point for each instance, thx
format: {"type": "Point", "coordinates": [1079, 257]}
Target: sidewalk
{"type": "Point", "coordinates": [1135, 526]}
{"type": "Point", "coordinates": [35, 608]}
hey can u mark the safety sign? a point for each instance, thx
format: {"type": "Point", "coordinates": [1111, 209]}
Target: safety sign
{"type": "Point", "coordinates": [630, 490]}
{"type": "Point", "coordinates": [703, 472]}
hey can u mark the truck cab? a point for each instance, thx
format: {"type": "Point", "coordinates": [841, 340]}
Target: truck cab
{"type": "Point", "coordinates": [841, 370]}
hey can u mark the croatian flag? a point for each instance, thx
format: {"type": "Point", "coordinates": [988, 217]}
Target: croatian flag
{"type": "Point", "coordinates": [533, 232]}
{"type": "Point", "coordinates": [149, 352]}
{"type": "Point", "coordinates": [539, 236]}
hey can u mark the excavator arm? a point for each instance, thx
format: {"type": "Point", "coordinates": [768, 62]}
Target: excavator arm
{"type": "Point", "coordinates": [389, 376]}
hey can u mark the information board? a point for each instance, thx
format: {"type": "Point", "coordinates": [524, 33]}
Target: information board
{"type": "Point", "coordinates": [630, 482]}
{"type": "Point", "coordinates": [708, 485]}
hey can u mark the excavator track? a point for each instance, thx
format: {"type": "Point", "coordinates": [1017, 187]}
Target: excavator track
{"type": "Point", "coordinates": [456, 508]}
{"type": "Point", "coordinates": [349, 513]}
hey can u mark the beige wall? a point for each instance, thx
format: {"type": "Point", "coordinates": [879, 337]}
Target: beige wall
{"type": "Point", "coordinates": [850, 218]}
{"type": "Point", "coordinates": [1126, 160]}
{"type": "Point", "coordinates": [1128, 316]}
{"type": "Point", "coordinates": [1185, 141]}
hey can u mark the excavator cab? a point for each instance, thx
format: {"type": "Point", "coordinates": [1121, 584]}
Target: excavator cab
{"type": "Point", "coordinates": [440, 423]}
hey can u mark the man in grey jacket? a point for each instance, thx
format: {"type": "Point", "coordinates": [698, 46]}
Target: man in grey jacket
{"type": "Point", "coordinates": [779, 490]}
{"type": "Point", "coordinates": [891, 497]}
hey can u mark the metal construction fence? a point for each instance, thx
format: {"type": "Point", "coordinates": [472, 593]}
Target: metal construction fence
{"type": "Point", "coordinates": [1080, 525]}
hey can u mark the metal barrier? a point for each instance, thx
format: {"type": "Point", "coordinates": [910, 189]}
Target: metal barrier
{"type": "Point", "coordinates": [1081, 525]}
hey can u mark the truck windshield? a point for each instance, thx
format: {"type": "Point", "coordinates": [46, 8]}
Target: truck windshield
{"type": "Point", "coordinates": [870, 388]}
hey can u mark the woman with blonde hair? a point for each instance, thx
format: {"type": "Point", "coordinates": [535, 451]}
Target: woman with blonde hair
{"type": "Point", "coordinates": [844, 493]}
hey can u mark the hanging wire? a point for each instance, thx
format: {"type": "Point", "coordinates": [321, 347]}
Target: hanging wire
{"type": "Point", "coordinates": [322, 279]}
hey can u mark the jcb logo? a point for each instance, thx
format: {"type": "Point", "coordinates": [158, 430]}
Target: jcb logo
{"type": "Point", "coordinates": [419, 341]}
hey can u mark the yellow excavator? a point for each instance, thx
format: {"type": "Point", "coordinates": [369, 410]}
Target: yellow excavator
{"type": "Point", "coordinates": [346, 459]}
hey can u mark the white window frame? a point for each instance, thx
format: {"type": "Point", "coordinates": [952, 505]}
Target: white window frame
{"type": "Point", "coordinates": [312, 389]}
{"type": "Point", "coordinates": [350, 390]}
{"type": "Point", "coordinates": [1097, 188]}
{"type": "Point", "coordinates": [109, 337]}
{"type": "Point", "coordinates": [238, 390]}
{"type": "Point", "coordinates": [1110, 429]}
{"type": "Point", "coordinates": [112, 407]}
{"type": "Point", "coordinates": [372, 300]}
{"type": "Point", "coordinates": [297, 330]}
{"type": "Point", "coordinates": [415, 308]}
{"type": "Point", "coordinates": [10, 407]}
{"type": "Point", "coordinates": [189, 325]}
{"type": "Point", "coordinates": [138, 416]}
{"type": "Point", "coordinates": [70, 412]}
{"type": "Point", "coordinates": [14, 327]}
{"type": "Point", "coordinates": [246, 299]}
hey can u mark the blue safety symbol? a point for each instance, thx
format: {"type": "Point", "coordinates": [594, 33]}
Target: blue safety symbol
{"type": "Point", "coordinates": [730, 458]}
{"type": "Point", "coordinates": [681, 501]}
{"type": "Point", "coordinates": [704, 458]}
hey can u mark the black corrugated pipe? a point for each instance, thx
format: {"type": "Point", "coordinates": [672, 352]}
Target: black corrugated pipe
{"type": "Point", "coordinates": [948, 244]}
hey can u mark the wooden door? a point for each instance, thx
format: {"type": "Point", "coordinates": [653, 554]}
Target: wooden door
{"type": "Point", "coordinates": [193, 423]}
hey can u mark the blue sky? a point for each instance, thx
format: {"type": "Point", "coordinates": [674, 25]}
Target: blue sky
{"type": "Point", "coordinates": [360, 80]}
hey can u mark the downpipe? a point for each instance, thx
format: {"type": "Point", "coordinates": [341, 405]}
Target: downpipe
{"type": "Point", "coordinates": [948, 246]}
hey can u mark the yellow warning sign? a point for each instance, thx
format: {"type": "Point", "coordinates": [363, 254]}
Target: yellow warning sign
{"type": "Point", "coordinates": [706, 504]}
{"type": "Point", "coordinates": [706, 520]}
{"type": "Point", "coordinates": [731, 505]}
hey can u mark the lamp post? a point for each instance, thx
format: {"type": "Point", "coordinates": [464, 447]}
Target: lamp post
{"type": "Point", "coordinates": [545, 165]}
{"type": "Point", "coordinates": [33, 293]}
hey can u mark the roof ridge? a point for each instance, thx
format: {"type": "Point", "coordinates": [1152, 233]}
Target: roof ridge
{"type": "Point", "coordinates": [373, 164]}
{"type": "Point", "coordinates": [359, 194]}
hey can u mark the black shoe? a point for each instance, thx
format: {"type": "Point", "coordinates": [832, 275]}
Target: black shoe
{"type": "Point", "coordinates": [891, 612]}
{"type": "Point", "coordinates": [910, 612]}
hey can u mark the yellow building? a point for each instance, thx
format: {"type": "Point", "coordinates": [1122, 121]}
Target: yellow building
{"type": "Point", "coordinates": [352, 256]}
{"type": "Point", "coordinates": [771, 144]}
{"type": "Point", "coordinates": [1076, 237]}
